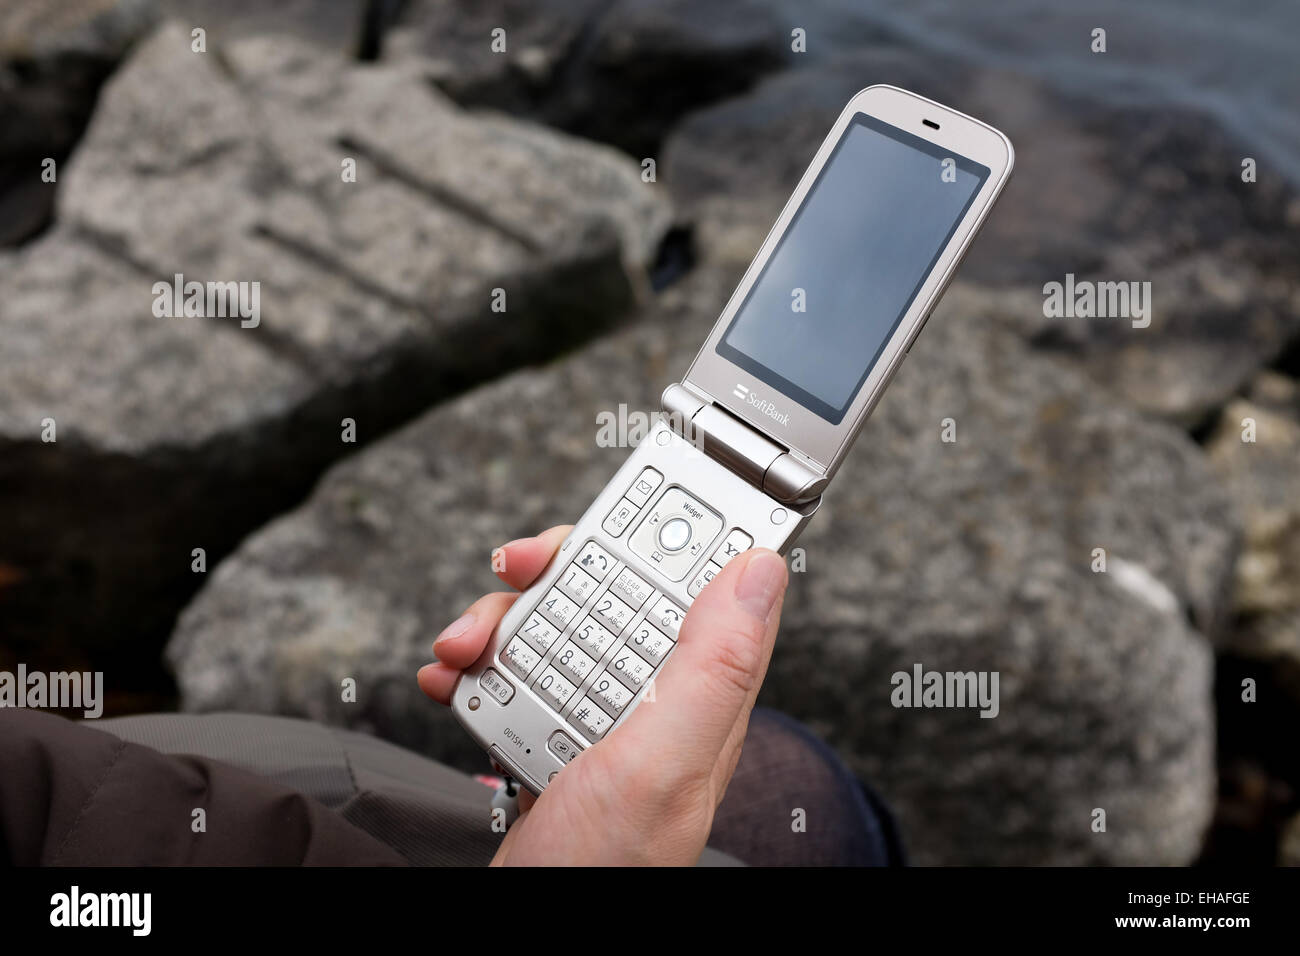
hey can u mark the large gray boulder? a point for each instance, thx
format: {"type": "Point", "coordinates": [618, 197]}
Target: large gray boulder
{"type": "Point", "coordinates": [1103, 192]}
{"type": "Point", "coordinates": [376, 299]}
{"type": "Point", "coordinates": [972, 555]}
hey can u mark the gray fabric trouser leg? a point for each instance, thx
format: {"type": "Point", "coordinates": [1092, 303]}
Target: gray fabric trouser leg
{"type": "Point", "coordinates": [429, 813]}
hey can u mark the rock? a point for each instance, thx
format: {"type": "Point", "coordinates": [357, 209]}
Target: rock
{"type": "Point", "coordinates": [53, 59]}
{"type": "Point", "coordinates": [376, 299]}
{"type": "Point", "coordinates": [1105, 193]}
{"type": "Point", "coordinates": [621, 72]}
{"type": "Point", "coordinates": [342, 26]}
{"type": "Point", "coordinates": [1289, 852]}
{"type": "Point", "coordinates": [1261, 476]}
{"type": "Point", "coordinates": [974, 555]}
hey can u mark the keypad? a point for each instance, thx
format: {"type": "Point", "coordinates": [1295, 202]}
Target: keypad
{"type": "Point", "coordinates": [599, 635]}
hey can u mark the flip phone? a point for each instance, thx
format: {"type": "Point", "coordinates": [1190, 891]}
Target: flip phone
{"type": "Point", "coordinates": [754, 432]}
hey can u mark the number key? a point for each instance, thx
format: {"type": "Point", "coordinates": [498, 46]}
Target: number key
{"type": "Point", "coordinates": [573, 662]}
{"type": "Point", "coordinates": [555, 687]}
{"type": "Point", "coordinates": [614, 612]}
{"type": "Point", "coordinates": [630, 669]}
{"type": "Point", "coordinates": [595, 640]}
{"type": "Point", "coordinates": [557, 608]}
{"type": "Point", "coordinates": [650, 642]}
{"type": "Point", "coordinates": [578, 584]}
{"type": "Point", "coordinates": [610, 694]}
{"type": "Point", "coordinates": [539, 634]}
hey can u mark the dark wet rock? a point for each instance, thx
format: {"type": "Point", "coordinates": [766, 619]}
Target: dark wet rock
{"type": "Point", "coordinates": [375, 300]}
{"type": "Point", "coordinates": [1104, 193]}
{"type": "Point", "coordinates": [974, 555]}
{"type": "Point", "coordinates": [618, 71]}
{"type": "Point", "coordinates": [53, 59]}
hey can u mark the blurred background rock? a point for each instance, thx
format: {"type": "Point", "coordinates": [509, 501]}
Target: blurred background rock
{"type": "Point", "coordinates": [521, 171]}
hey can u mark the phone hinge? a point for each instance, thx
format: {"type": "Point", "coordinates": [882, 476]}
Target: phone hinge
{"type": "Point", "coordinates": [734, 444]}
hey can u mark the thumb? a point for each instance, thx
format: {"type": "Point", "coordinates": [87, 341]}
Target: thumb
{"type": "Point", "coordinates": [709, 684]}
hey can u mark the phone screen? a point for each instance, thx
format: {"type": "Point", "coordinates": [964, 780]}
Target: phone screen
{"type": "Point", "coordinates": [856, 253]}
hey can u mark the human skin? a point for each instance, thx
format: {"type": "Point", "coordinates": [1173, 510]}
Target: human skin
{"type": "Point", "coordinates": [647, 793]}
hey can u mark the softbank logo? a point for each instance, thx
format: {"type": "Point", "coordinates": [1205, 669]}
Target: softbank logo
{"type": "Point", "coordinates": [131, 910]}
{"type": "Point", "coordinates": [761, 404]}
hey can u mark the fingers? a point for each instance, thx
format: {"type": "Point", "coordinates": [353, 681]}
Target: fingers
{"type": "Point", "coordinates": [709, 685]}
{"type": "Point", "coordinates": [462, 641]}
{"type": "Point", "coordinates": [460, 644]}
{"type": "Point", "coordinates": [438, 681]}
{"type": "Point", "coordinates": [520, 562]}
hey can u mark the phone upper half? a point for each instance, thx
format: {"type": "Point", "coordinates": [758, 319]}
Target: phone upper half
{"type": "Point", "coordinates": [850, 271]}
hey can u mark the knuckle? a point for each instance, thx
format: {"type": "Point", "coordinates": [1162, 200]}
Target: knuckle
{"type": "Point", "coordinates": [732, 662]}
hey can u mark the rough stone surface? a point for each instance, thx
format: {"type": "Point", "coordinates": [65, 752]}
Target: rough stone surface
{"type": "Point", "coordinates": [1263, 477]}
{"type": "Point", "coordinates": [974, 555]}
{"type": "Point", "coordinates": [53, 58]}
{"type": "Point", "coordinates": [1105, 193]}
{"type": "Point", "coordinates": [619, 71]}
{"type": "Point", "coordinates": [376, 299]}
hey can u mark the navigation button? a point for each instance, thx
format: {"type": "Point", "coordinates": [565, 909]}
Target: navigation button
{"type": "Point", "coordinates": [675, 534]}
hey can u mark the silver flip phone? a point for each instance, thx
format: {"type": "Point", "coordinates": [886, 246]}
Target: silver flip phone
{"type": "Point", "coordinates": [753, 433]}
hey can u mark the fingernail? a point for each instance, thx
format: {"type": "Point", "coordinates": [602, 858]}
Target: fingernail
{"type": "Point", "coordinates": [455, 629]}
{"type": "Point", "coordinates": [499, 555]}
{"type": "Point", "coordinates": [761, 583]}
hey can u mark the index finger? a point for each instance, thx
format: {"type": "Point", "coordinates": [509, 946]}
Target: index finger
{"type": "Point", "coordinates": [520, 562]}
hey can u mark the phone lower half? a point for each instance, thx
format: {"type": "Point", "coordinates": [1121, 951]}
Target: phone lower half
{"type": "Point", "coordinates": [580, 649]}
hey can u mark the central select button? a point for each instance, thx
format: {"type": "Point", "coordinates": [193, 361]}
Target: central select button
{"type": "Point", "coordinates": [675, 534]}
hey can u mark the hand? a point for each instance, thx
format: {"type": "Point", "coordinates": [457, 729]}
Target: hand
{"type": "Point", "coordinates": [646, 794]}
